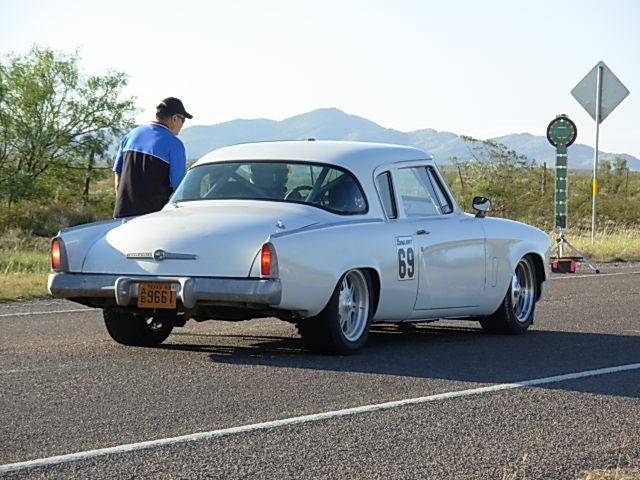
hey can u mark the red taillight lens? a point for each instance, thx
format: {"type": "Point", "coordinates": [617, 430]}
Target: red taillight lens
{"type": "Point", "coordinates": [265, 260]}
{"type": "Point", "coordinates": [56, 254]}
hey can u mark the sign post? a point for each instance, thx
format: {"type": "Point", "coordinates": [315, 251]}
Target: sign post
{"type": "Point", "coordinates": [599, 92]}
{"type": "Point", "coordinates": [561, 133]}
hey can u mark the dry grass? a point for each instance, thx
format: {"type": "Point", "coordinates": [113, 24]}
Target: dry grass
{"type": "Point", "coordinates": [617, 473]}
{"type": "Point", "coordinates": [24, 266]}
{"type": "Point", "coordinates": [610, 246]}
{"type": "Point", "coordinates": [613, 474]}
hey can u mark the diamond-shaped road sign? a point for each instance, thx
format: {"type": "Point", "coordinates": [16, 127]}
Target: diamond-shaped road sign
{"type": "Point", "coordinates": [612, 92]}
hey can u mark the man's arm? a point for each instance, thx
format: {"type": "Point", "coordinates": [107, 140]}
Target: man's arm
{"type": "Point", "coordinates": [116, 180]}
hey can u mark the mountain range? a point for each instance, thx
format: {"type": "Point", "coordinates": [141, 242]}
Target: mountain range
{"type": "Point", "coordinates": [334, 124]}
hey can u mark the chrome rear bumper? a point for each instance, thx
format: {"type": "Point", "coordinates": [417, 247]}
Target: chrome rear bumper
{"type": "Point", "coordinates": [190, 290]}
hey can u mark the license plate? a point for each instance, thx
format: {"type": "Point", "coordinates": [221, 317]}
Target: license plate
{"type": "Point", "coordinates": [156, 295]}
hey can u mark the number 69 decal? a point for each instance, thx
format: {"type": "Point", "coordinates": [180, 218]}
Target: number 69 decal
{"type": "Point", "coordinates": [406, 258]}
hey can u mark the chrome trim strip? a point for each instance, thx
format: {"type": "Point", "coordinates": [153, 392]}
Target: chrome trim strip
{"type": "Point", "coordinates": [160, 255]}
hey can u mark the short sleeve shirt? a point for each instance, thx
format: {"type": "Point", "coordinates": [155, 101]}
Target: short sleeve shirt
{"type": "Point", "coordinates": [151, 161]}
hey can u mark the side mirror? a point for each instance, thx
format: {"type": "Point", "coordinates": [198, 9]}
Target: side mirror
{"type": "Point", "coordinates": [481, 205]}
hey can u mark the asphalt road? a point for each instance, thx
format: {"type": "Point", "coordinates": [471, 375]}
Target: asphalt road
{"type": "Point", "coordinates": [246, 400]}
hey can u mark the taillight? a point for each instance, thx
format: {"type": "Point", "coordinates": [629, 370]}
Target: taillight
{"type": "Point", "coordinates": [56, 254]}
{"type": "Point", "coordinates": [265, 260]}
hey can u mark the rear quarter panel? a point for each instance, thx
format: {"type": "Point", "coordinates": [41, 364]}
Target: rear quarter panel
{"type": "Point", "coordinates": [79, 240]}
{"type": "Point", "coordinates": [311, 262]}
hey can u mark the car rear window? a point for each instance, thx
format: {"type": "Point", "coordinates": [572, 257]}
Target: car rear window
{"type": "Point", "coordinates": [323, 186]}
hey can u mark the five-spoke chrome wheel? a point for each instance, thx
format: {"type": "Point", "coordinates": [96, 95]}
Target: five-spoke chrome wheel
{"type": "Point", "coordinates": [353, 305]}
{"type": "Point", "coordinates": [343, 325]}
{"type": "Point", "coordinates": [515, 313]}
{"type": "Point", "coordinates": [523, 290]}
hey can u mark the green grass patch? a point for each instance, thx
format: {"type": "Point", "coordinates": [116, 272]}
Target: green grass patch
{"type": "Point", "coordinates": [24, 265]}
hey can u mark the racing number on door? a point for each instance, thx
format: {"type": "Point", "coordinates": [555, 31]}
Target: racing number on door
{"type": "Point", "coordinates": [406, 258]}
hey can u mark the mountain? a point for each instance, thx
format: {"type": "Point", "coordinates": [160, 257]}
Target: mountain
{"type": "Point", "coordinates": [333, 124]}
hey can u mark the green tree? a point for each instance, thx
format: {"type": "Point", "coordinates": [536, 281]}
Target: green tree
{"type": "Point", "coordinates": [516, 186]}
{"type": "Point", "coordinates": [54, 123]}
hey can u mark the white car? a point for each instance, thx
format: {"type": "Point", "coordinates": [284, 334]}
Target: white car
{"type": "Point", "coordinates": [328, 235]}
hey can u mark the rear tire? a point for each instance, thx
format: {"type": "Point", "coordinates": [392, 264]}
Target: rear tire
{"type": "Point", "coordinates": [343, 325]}
{"type": "Point", "coordinates": [138, 330]}
{"type": "Point", "coordinates": [515, 313]}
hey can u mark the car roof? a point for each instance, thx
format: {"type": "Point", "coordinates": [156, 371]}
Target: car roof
{"type": "Point", "coordinates": [355, 156]}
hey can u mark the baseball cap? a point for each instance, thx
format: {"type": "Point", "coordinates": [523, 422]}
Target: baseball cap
{"type": "Point", "coordinates": [172, 105]}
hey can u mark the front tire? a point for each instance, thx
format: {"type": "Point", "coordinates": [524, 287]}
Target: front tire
{"type": "Point", "coordinates": [343, 325]}
{"type": "Point", "coordinates": [138, 330]}
{"type": "Point", "coordinates": [515, 313]}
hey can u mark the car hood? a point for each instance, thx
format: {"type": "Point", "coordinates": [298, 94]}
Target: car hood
{"type": "Point", "coordinates": [217, 238]}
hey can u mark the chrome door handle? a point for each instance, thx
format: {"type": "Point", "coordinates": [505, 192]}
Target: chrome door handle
{"type": "Point", "coordinates": [422, 232]}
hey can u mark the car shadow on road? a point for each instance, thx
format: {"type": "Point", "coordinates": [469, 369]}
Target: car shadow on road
{"type": "Point", "coordinates": [453, 352]}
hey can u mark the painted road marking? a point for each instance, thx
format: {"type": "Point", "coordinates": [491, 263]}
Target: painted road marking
{"type": "Point", "coordinates": [566, 276]}
{"type": "Point", "coordinates": [25, 314]}
{"type": "Point", "coordinates": [131, 447]}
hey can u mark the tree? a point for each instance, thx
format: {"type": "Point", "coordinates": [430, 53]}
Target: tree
{"type": "Point", "coordinates": [54, 122]}
{"type": "Point", "coordinates": [516, 186]}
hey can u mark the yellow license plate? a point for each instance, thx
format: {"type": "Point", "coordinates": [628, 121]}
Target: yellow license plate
{"type": "Point", "coordinates": [156, 295]}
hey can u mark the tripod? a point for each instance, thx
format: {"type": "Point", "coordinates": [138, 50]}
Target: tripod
{"type": "Point", "coordinates": [561, 241]}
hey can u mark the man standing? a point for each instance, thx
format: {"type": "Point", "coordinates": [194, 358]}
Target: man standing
{"type": "Point", "coordinates": [151, 162]}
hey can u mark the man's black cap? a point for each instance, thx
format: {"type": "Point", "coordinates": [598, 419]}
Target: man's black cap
{"type": "Point", "coordinates": [171, 106]}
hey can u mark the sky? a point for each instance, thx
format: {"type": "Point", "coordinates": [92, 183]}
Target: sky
{"type": "Point", "coordinates": [483, 68]}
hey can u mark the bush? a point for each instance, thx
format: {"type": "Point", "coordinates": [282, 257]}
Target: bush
{"type": "Point", "coordinates": [47, 220]}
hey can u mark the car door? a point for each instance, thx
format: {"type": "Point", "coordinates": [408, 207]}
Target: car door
{"type": "Point", "coordinates": [448, 246]}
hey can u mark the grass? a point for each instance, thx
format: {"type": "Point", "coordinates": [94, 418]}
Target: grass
{"type": "Point", "coordinates": [617, 473]}
{"type": "Point", "coordinates": [610, 246]}
{"type": "Point", "coordinates": [24, 266]}
{"type": "Point", "coordinates": [612, 474]}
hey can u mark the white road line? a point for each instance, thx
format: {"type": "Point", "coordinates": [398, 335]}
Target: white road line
{"type": "Point", "coordinates": [567, 276]}
{"type": "Point", "coordinates": [25, 314]}
{"type": "Point", "coordinates": [72, 457]}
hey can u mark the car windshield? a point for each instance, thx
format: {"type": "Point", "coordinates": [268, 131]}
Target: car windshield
{"type": "Point", "coordinates": [323, 186]}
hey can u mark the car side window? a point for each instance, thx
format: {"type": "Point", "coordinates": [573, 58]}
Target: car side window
{"type": "Point", "coordinates": [385, 189]}
{"type": "Point", "coordinates": [422, 193]}
{"type": "Point", "coordinates": [441, 195]}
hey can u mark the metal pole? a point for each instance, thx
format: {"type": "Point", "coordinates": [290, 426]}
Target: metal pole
{"type": "Point", "coordinates": [595, 154]}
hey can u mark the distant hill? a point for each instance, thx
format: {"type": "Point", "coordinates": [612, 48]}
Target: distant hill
{"type": "Point", "coordinates": [333, 124]}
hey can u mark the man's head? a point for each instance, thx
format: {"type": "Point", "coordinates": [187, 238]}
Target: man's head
{"type": "Point", "coordinates": [171, 113]}
{"type": "Point", "coordinates": [271, 178]}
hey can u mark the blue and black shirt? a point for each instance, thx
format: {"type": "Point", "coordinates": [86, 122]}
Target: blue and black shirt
{"type": "Point", "coordinates": [151, 161]}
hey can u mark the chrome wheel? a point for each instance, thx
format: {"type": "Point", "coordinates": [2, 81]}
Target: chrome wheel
{"type": "Point", "coordinates": [523, 291]}
{"type": "Point", "coordinates": [515, 313]}
{"type": "Point", "coordinates": [342, 327]}
{"type": "Point", "coordinates": [353, 305]}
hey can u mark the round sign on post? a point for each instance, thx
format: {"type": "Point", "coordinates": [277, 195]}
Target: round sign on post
{"type": "Point", "coordinates": [561, 132]}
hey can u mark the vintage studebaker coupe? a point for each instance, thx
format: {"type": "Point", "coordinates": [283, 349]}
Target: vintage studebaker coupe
{"type": "Point", "coordinates": [328, 235]}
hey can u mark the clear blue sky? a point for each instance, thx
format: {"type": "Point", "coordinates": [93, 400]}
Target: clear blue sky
{"type": "Point", "coordinates": [482, 68]}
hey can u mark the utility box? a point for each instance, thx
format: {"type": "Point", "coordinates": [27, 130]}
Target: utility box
{"type": "Point", "coordinates": [563, 266]}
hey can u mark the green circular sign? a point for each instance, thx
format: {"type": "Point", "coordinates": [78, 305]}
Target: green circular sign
{"type": "Point", "coordinates": [561, 131]}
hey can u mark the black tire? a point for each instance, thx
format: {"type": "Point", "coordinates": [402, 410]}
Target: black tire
{"type": "Point", "coordinates": [515, 313]}
{"type": "Point", "coordinates": [138, 330]}
{"type": "Point", "coordinates": [343, 325]}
